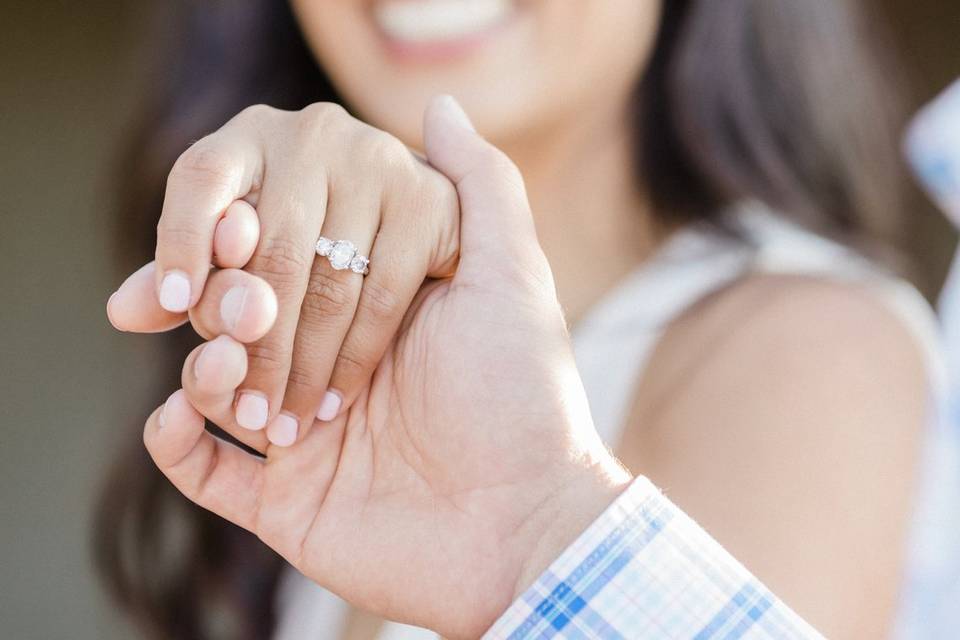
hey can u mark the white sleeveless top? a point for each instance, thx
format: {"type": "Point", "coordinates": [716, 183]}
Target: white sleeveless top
{"type": "Point", "coordinates": [613, 343]}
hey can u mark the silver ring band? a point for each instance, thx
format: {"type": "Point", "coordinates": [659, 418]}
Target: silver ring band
{"type": "Point", "coordinates": [342, 254]}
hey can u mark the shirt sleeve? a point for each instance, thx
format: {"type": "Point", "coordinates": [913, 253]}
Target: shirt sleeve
{"type": "Point", "coordinates": [644, 569]}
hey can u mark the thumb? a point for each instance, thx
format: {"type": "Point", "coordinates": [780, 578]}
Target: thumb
{"type": "Point", "coordinates": [497, 230]}
{"type": "Point", "coordinates": [135, 307]}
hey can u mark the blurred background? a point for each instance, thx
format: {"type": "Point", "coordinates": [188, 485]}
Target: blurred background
{"type": "Point", "coordinates": [72, 75]}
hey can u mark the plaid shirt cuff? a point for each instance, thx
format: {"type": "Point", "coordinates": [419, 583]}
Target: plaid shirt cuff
{"type": "Point", "coordinates": [644, 569]}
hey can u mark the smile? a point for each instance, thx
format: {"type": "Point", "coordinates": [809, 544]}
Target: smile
{"type": "Point", "coordinates": [433, 22]}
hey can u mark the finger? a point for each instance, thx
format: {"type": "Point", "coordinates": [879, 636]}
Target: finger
{"type": "Point", "coordinates": [498, 236]}
{"type": "Point", "coordinates": [328, 309]}
{"type": "Point", "coordinates": [440, 205]}
{"type": "Point", "coordinates": [419, 237]}
{"type": "Point", "coordinates": [235, 303]}
{"type": "Point", "coordinates": [210, 378]}
{"type": "Point", "coordinates": [212, 473]}
{"type": "Point", "coordinates": [291, 209]}
{"type": "Point", "coordinates": [205, 180]}
{"type": "Point", "coordinates": [236, 236]}
{"type": "Point", "coordinates": [397, 270]}
{"type": "Point", "coordinates": [134, 306]}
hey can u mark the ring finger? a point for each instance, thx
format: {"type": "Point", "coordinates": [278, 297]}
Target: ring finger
{"type": "Point", "coordinates": [327, 309]}
{"type": "Point", "coordinates": [291, 208]}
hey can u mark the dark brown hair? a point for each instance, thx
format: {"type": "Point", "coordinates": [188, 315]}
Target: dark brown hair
{"type": "Point", "coordinates": [779, 100]}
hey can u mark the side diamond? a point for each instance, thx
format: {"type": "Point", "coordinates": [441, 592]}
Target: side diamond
{"type": "Point", "coordinates": [359, 264]}
{"type": "Point", "coordinates": [324, 245]}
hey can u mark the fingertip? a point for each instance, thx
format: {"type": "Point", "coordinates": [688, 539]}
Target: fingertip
{"type": "Point", "coordinates": [330, 405]}
{"type": "Point", "coordinates": [248, 310]}
{"type": "Point", "coordinates": [438, 136]}
{"type": "Point", "coordinates": [134, 305]}
{"type": "Point", "coordinates": [236, 236]}
{"type": "Point", "coordinates": [282, 430]}
{"type": "Point", "coordinates": [220, 366]}
{"type": "Point", "coordinates": [177, 410]}
{"type": "Point", "coordinates": [173, 430]}
{"type": "Point", "coordinates": [263, 313]}
{"type": "Point", "coordinates": [450, 140]}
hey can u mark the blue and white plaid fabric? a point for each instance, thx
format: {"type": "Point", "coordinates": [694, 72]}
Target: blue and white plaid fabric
{"type": "Point", "coordinates": [644, 569]}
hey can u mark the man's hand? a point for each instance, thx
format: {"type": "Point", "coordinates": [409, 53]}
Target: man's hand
{"type": "Point", "coordinates": [465, 466]}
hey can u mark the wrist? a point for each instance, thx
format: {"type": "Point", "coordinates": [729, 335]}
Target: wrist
{"type": "Point", "coordinates": [566, 514]}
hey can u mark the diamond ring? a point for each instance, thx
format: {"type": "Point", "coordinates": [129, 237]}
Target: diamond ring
{"type": "Point", "coordinates": [342, 254]}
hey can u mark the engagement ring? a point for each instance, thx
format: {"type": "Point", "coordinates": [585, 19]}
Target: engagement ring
{"type": "Point", "coordinates": [342, 254]}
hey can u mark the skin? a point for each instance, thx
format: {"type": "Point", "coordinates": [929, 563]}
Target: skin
{"type": "Point", "coordinates": [313, 189]}
{"type": "Point", "coordinates": [524, 89]}
{"type": "Point", "coordinates": [827, 383]}
{"type": "Point", "coordinates": [474, 483]}
{"type": "Point", "coordinates": [805, 477]}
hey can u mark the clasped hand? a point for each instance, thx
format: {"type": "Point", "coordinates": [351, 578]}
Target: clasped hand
{"type": "Point", "coordinates": [456, 456]}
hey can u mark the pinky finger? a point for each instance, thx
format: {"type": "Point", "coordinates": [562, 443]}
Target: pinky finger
{"type": "Point", "coordinates": [212, 473]}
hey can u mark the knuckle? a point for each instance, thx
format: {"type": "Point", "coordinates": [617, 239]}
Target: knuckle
{"type": "Point", "coordinates": [177, 237]}
{"type": "Point", "coordinates": [281, 261]}
{"type": "Point", "coordinates": [204, 163]}
{"type": "Point", "coordinates": [319, 117]}
{"type": "Point", "coordinates": [385, 145]}
{"type": "Point", "coordinates": [300, 378]}
{"type": "Point", "coordinates": [379, 302]}
{"type": "Point", "coordinates": [258, 114]}
{"type": "Point", "coordinates": [350, 364]}
{"type": "Point", "coordinates": [392, 155]}
{"type": "Point", "coordinates": [381, 156]}
{"type": "Point", "coordinates": [328, 296]}
{"type": "Point", "coordinates": [266, 359]}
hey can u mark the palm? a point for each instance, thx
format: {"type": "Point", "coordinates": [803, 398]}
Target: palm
{"type": "Point", "coordinates": [407, 471]}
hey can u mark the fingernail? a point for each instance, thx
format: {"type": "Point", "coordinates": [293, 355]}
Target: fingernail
{"type": "Point", "coordinates": [232, 306]}
{"type": "Point", "coordinates": [162, 419]}
{"type": "Point", "coordinates": [252, 411]}
{"type": "Point", "coordinates": [283, 430]}
{"type": "Point", "coordinates": [456, 112]}
{"type": "Point", "coordinates": [330, 406]}
{"type": "Point", "coordinates": [175, 292]}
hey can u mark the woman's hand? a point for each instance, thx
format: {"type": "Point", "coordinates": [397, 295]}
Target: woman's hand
{"type": "Point", "coordinates": [256, 195]}
{"type": "Point", "coordinates": [467, 463]}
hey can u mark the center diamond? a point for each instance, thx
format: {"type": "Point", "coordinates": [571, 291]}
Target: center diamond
{"type": "Point", "coordinates": [341, 254]}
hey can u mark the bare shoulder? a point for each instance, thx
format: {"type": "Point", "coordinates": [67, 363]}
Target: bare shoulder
{"type": "Point", "coordinates": [783, 337]}
{"type": "Point", "coordinates": [785, 414]}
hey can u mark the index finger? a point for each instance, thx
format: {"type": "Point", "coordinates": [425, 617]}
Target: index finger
{"type": "Point", "coordinates": [216, 170]}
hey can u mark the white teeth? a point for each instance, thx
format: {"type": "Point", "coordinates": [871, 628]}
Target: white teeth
{"type": "Point", "coordinates": [439, 20]}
